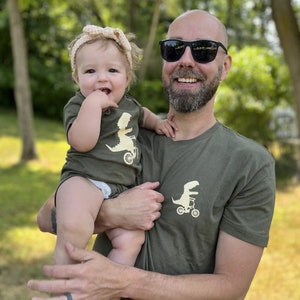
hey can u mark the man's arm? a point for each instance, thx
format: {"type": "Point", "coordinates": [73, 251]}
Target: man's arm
{"type": "Point", "coordinates": [236, 264]}
{"type": "Point", "coordinates": [44, 215]}
{"type": "Point", "coordinates": [136, 208]}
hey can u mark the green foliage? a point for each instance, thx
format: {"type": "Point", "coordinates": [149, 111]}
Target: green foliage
{"type": "Point", "coordinates": [257, 82]}
{"type": "Point", "coordinates": [286, 164]}
{"type": "Point", "coordinates": [50, 25]}
{"type": "Point", "coordinates": [151, 95]}
{"type": "Point", "coordinates": [6, 72]}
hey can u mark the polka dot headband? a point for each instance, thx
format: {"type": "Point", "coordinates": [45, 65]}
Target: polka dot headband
{"type": "Point", "coordinates": [92, 32]}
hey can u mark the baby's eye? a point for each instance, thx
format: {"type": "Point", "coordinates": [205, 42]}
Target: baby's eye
{"type": "Point", "coordinates": [90, 71]}
{"type": "Point", "coordinates": [113, 70]}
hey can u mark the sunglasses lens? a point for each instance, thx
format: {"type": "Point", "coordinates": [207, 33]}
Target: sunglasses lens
{"type": "Point", "coordinates": [172, 50]}
{"type": "Point", "coordinates": [204, 51]}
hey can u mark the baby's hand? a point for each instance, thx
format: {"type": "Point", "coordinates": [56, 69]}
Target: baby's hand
{"type": "Point", "coordinates": [166, 127]}
{"type": "Point", "coordinates": [103, 99]}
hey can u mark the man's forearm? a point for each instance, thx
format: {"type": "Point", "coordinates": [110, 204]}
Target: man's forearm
{"type": "Point", "coordinates": [235, 265]}
{"type": "Point", "coordinates": [45, 216]}
{"type": "Point", "coordinates": [134, 209]}
{"type": "Point", "coordinates": [105, 218]}
{"type": "Point", "coordinates": [145, 285]}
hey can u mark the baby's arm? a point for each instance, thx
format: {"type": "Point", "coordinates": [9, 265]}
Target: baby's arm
{"type": "Point", "coordinates": [160, 126]}
{"type": "Point", "coordinates": [85, 130]}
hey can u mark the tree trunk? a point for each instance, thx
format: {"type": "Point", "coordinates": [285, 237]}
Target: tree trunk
{"type": "Point", "coordinates": [149, 46]}
{"type": "Point", "coordinates": [131, 16]}
{"type": "Point", "coordinates": [289, 35]}
{"type": "Point", "coordinates": [21, 82]}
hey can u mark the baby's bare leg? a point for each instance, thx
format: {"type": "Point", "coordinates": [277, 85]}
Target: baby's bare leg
{"type": "Point", "coordinates": [126, 245]}
{"type": "Point", "coordinates": [78, 202]}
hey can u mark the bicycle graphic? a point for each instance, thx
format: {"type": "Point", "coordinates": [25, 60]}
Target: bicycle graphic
{"type": "Point", "coordinates": [126, 142]}
{"type": "Point", "coordinates": [186, 202]}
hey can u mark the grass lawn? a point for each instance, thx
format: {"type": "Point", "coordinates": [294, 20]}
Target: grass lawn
{"type": "Point", "coordinates": [24, 250]}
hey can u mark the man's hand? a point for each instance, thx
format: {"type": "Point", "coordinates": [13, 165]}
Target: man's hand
{"type": "Point", "coordinates": [134, 209]}
{"type": "Point", "coordinates": [94, 275]}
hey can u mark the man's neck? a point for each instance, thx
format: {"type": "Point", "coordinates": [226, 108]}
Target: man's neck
{"type": "Point", "coordinates": [191, 125]}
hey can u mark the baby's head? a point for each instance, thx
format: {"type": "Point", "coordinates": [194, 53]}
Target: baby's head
{"type": "Point", "coordinates": [125, 43]}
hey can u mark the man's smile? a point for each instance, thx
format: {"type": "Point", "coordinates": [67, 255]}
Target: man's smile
{"type": "Point", "coordinates": [187, 80]}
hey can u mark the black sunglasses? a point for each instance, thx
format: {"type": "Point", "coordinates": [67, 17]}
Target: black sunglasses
{"type": "Point", "coordinates": [203, 51]}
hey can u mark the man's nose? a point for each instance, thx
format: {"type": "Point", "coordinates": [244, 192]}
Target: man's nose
{"type": "Point", "coordinates": [187, 59]}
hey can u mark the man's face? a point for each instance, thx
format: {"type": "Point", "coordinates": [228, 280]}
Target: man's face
{"type": "Point", "coordinates": [189, 84]}
{"type": "Point", "coordinates": [189, 89]}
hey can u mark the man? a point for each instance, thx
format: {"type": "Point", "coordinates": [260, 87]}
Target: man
{"type": "Point", "coordinates": [218, 189]}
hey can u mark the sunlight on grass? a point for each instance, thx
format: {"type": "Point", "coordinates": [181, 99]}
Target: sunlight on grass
{"type": "Point", "coordinates": [278, 274]}
{"type": "Point", "coordinates": [10, 155]}
{"type": "Point", "coordinates": [37, 244]}
{"type": "Point", "coordinates": [23, 189]}
{"type": "Point", "coordinates": [51, 156]}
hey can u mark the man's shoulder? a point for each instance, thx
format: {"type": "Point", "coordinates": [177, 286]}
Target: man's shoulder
{"type": "Point", "coordinates": [146, 134]}
{"type": "Point", "coordinates": [243, 145]}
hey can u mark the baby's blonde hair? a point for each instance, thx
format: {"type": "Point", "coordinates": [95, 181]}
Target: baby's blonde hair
{"type": "Point", "coordinates": [125, 44]}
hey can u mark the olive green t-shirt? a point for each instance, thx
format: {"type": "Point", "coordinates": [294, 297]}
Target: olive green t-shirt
{"type": "Point", "coordinates": [219, 180]}
{"type": "Point", "coordinates": [115, 159]}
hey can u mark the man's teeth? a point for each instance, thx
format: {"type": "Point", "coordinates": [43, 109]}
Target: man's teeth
{"type": "Point", "coordinates": [187, 80]}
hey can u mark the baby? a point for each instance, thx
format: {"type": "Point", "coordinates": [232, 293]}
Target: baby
{"type": "Point", "coordinates": [102, 123]}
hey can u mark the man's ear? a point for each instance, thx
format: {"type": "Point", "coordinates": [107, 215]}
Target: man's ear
{"type": "Point", "coordinates": [226, 66]}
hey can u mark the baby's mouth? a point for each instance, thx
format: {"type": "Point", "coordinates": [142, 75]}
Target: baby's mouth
{"type": "Point", "coordinates": [105, 90]}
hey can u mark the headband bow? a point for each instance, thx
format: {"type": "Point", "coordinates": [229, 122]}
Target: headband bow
{"type": "Point", "coordinates": [92, 32]}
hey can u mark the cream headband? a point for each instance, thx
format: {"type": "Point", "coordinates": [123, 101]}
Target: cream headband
{"type": "Point", "coordinates": [92, 32]}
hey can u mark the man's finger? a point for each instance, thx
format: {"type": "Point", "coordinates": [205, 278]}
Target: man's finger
{"type": "Point", "coordinates": [148, 185]}
{"type": "Point", "coordinates": [77, 254]}
{"type": "Point", "coordinates": [48, 286]}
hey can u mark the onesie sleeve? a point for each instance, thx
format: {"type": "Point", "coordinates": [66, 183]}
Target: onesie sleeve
{"type": "Point", "coordinates": [71, 110]}
{"type": "Point", "coordinates": [140, 110]}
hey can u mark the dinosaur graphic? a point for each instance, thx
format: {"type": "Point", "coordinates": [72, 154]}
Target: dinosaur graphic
{"type": "Point", "coordinates": [126, 142]}
{"type": "Point", "coordinates": [186, 202]}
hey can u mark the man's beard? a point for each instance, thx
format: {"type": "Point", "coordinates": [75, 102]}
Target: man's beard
{"type": "Point", "coordinates": [186, 101]}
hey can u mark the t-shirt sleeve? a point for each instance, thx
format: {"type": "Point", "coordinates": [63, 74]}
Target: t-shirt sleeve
{"type": "Point", "coordinates": [249, 212]}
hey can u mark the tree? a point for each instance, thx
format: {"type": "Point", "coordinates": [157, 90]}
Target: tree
{"type": "Point", "coordinates": [150, 42]}
{"type": "Point", "coordinates": [22, 87]}
{"type": "Point", "coordinates": [257, 82]}
{"type": "Point", "coordinates": [289, 35]}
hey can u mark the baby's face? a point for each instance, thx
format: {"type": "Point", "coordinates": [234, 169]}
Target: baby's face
{"type": "Point", "coordinates": [101, 66]}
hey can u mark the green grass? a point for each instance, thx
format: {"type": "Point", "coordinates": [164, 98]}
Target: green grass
{"type": "Point", "coordinates": [278, 275]}
{"type": "Point", "coordinates": [23, 188]}
{"type": "Point", "coordinates": [24, 250]}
